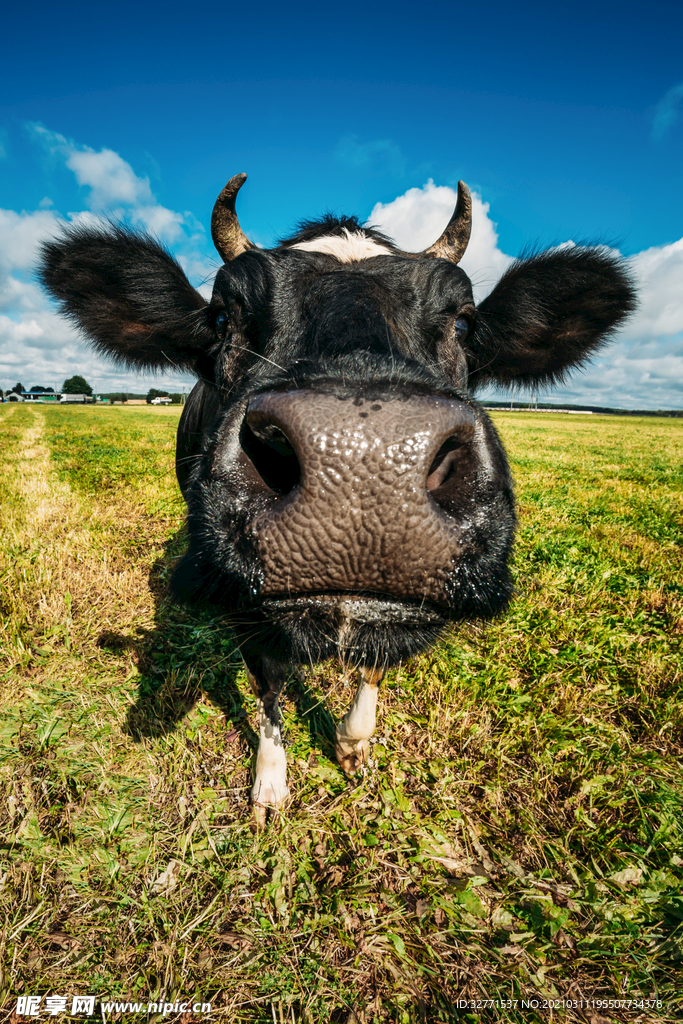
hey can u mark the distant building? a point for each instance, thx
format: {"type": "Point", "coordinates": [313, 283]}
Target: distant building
{"type": "Point", "coordinates": [40, 396]}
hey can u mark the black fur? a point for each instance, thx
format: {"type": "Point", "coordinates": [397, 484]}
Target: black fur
{"type": "Point", "coordinates": [128, 295]}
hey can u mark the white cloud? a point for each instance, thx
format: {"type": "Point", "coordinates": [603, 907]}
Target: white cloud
{"type": "Point", "coordinates": [643, 367]}
{"type": "Point", "coordinates": [417, 218]}
{"type": "Point", "coordinates": [110, 179]}
{"type": "Point", "coordinates": [19, 235]}
{"type": "Point", "coordinates": [114, 188]}
{"type": "Point", "coordinates": [19, 296]}
{"type": "Point", "coordinates": [159, 221]}
{"type": "Point", "coordinates": [659, 273]}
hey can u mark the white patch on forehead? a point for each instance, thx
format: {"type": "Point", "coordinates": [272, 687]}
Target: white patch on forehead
{"type": "Point", "coordinates": [347, 248]}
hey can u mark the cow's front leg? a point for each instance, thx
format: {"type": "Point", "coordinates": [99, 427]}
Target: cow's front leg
{"type": "Point", "coordinates": [266, 678]}
{"type": "Point", "coordinates": [358, 724]}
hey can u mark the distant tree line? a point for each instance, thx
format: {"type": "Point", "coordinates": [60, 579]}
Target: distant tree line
{"type": "Point", "coordinates": [73, 386]}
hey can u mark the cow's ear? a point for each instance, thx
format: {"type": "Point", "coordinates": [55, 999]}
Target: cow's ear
{"type": "Point", "coordinates": [548, 314]}
{"type": "Point", "coordinates": [128, 295]}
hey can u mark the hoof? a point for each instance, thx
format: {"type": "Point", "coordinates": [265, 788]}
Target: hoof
{"type": "Point", "coordinates": [351, 754]}
{"type": "Point", "coordinates": [264, 798]}
{"type": "Point", "coordinates": [260, 814]}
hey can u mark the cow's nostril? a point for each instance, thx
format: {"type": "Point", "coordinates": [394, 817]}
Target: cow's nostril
{"type": "Point", "coordinates": [445, 462]}
{"type": "Point", "coordinates": [272, 455]}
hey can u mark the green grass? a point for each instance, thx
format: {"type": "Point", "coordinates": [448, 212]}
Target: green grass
{"type": "Point", "coordinates": [519, 831]}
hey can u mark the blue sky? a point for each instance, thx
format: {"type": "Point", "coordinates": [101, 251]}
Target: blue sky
{"type": "Point", "coordinates": [566, 120]}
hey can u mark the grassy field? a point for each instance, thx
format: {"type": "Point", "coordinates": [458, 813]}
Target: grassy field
{"type": "Point", "coordinates": [519, 832]}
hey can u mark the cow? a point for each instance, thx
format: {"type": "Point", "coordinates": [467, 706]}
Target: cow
{"type": "Point", "coordinates": [347, 495]}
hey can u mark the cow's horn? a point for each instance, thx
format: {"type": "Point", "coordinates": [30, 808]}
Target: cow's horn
{"type": "Point", "coordinates": [226, 232]}
{"type": "Point", "coordinates": [453, 242]}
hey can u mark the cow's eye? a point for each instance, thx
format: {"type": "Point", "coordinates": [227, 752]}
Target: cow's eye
{"type": "Point", "coordinates": [462, 327]}
{"type": "Point", "coordinates": [220, 323]}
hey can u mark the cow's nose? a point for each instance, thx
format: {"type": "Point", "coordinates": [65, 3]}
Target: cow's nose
{"type": "Point", "coordinates": [362, 490]}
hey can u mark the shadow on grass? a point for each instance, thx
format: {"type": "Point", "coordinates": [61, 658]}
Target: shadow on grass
{"type": "Point", "coordinates": [313, 712]}
{"type": "Point", "coordinates": [193, 652]}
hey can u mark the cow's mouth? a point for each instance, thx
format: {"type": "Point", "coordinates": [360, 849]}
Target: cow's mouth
{"type": "Point", "coordinates": [358, 628]}
{"type": "Point", "coordinates": [361, 608]}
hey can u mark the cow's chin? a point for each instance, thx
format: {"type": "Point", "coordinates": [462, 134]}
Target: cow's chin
{"type": "Point", "coordinates": [373, 630]}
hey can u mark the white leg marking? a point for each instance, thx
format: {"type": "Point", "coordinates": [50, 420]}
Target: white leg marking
{"type": "Point", "coordinates": [270, 784]}
{"type": "Point", "coordinates": [358, 724]}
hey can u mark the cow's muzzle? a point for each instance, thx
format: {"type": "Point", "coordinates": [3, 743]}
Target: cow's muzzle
{"type": "Point", "coordinates": [361, 495]}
